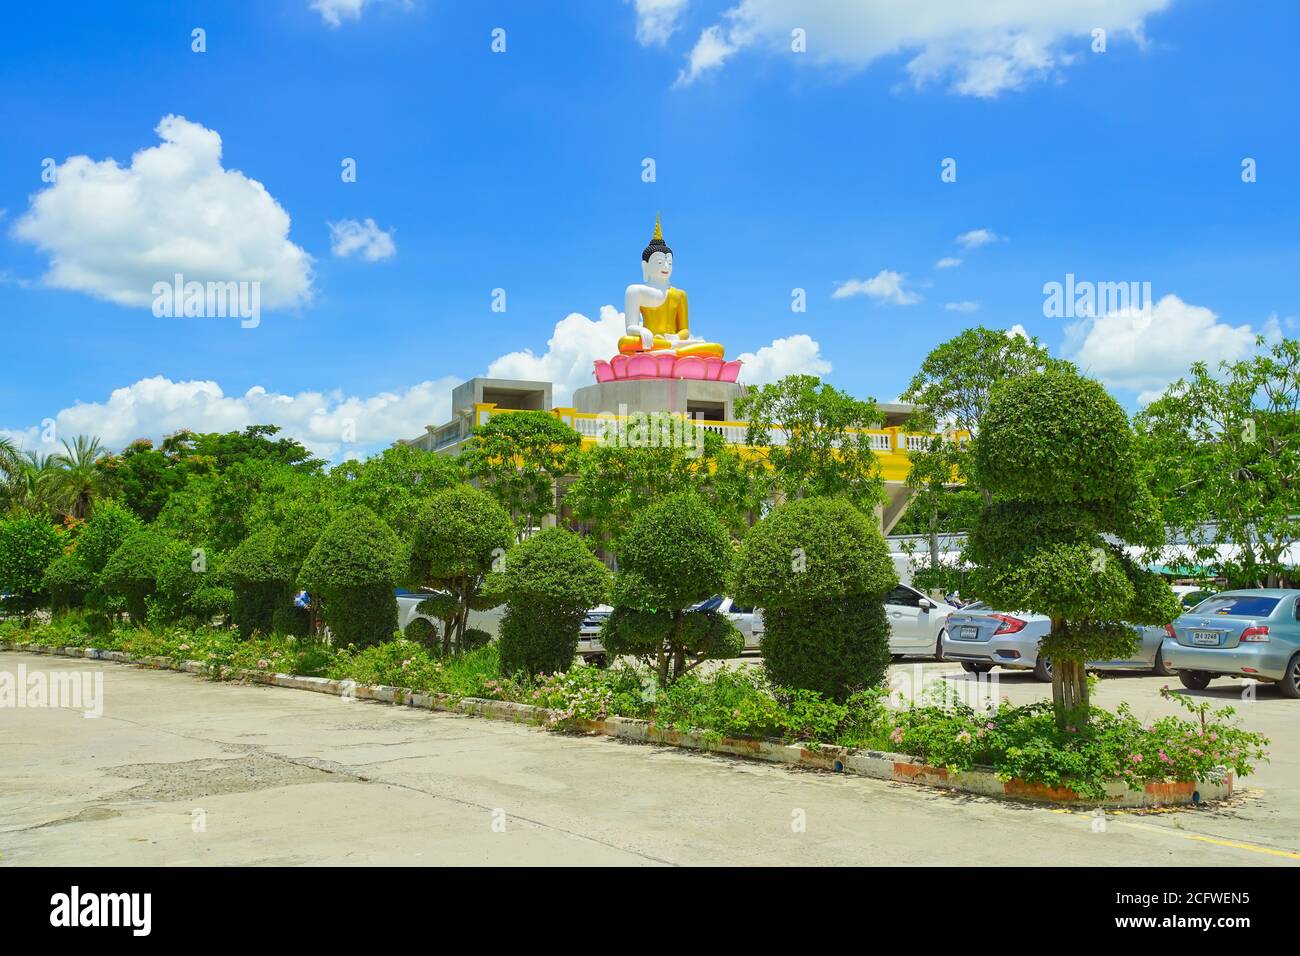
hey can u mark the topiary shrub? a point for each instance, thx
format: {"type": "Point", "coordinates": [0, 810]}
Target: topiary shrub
{"type": "Point", "coordinates": [676, 554]}
{"type": "Point", "coordinates": [424, 632]}
{"type": "Point", "coordinates": [188, 587]}
{"type": "Point", "coordinates": [28, 546]}
{"type": "Point", "coordinates": [460, 534]}
{"type": "Point", "coordinates": [549, 582]}
{"type": "Point", "coordinates": [353, 569]}
{"type": "Point", "coordinates": [132, 571]}
{"type": "Point", "coordinates": [109, 526]}
{"type": "Point", "coordinates": [820, 569]}
{"type": "Point", "coordinates": [474, 638]}
{"type": "Point", "coordinates": [262, 581]}
{"type": "Point", "coordinates": [1056, 452]}
{"type": "Point", "coordinates": [68, 581]}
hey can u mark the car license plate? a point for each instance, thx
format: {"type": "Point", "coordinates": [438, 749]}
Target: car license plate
{"type": "Point", "coordinates": [1205, 637]}
{"type": "Point", "coordinates": [969, 633]}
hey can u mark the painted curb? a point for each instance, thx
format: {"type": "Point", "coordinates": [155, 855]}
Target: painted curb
{"type": "Point", "coordinates": [876, 764]}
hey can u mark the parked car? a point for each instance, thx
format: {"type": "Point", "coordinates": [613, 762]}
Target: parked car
{"type": "Point", "coordinates": [1248, 633]}
{"type": "Point", "coordinates": [982, 638]}
{"type": "Point", "coordinates": [748, 620]}
{"type": "Point", "coordinates": [916, 622]}
{"type": "Point", "coordinates": [1190, 595]}
{"type": "Point", "coordinates": [589, 646]}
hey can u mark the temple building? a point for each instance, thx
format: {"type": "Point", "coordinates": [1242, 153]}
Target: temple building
{"type": "Point", "coordinates": [660, 367]}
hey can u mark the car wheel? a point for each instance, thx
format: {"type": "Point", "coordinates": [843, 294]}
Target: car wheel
{"type": "Point", "coordinates": [1289, 685]}
{"type": "Point", "coordinates": [938, 646]}
{"type": "Point", "coordinates": [1043, 669]}
{"type": "Point", "coordinates": [976, 667]}
{"type": "Point", "coordinates": [1194, 680]}
{"type": "Point", "coordinates": [1160, 668]}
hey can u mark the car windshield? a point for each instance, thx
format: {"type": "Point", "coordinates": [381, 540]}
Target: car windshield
{"type": "Point", "coordinates": [1237, 605]}
{"type": "Point", "coordinates": [712, 604]}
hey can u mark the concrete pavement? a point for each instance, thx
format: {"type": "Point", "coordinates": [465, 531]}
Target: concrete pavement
{"type": "Point", "coordinates": [182, 771]}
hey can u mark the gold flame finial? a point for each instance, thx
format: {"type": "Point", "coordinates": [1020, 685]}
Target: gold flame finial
{"type": "Point", "coordinates": [659, 233]}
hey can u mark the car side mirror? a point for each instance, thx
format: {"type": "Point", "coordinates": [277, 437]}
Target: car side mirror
{"type": "Point", "coordinates": [925, 604]}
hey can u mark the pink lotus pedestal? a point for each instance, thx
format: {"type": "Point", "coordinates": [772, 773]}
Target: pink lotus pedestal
{"type": "Point", "coordinates": [666, 365]}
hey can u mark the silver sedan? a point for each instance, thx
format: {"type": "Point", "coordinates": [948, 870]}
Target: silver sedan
{"type": "Point", "coordinates": [981, 638]}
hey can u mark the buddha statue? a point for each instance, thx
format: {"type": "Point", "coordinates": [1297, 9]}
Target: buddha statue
{"type": "Point", "coordinates": [656, 312]}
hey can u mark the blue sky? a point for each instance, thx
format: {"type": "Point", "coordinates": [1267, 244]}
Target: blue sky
{"type": "Point", "coordinates": [522, 170]}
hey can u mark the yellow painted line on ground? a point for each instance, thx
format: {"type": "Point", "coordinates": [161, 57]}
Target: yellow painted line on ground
{"type": "Point", "coordinates": [1216, 841]}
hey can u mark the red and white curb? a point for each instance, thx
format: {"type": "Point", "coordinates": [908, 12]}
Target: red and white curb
{"type": "Point", "coordinates": [867, 763]}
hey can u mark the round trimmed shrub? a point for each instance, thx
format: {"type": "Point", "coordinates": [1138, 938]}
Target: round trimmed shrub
{"type": "Point", "coordinates": [549, 582]}
{"type": "Point", "coordinates": [353, 569]}
{"type": "Point", "coordinates": [109, 526]}
{"type": "Point", "coordinates": [474, 638]}
{"type": "Point", "coordinates": [28, 546]}
{"type": "Point", "coordinates": [422, 631]}
{"type": "Point", "coordinates": [820, 569]}
{"type": "Point", "coordinates": [262, 582]}
{"type": "Point", "coordinates": [132, 571]}
{"type": "Point", "coordinates": [68, 581]}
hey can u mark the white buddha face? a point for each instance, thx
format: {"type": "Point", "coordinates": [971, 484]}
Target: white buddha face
{"type": "Point", "coordinates": [658, 269]}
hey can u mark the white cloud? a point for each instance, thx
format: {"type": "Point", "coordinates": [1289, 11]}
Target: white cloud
{"type": "Point", "coordinates": [334, 12]}
{"type": "Point", "coordinates": [978, 48]}
{"type": "Point", "coordinates": [349, 237]}
{"type": "Point", "coordinates": [884, 286]}
{"type": "Point", "coordinates": [711, 50]}
{"type": "Point", "coordinates": [977, 237]}
{"type": "Point", "coordinates": [113, 231]}
{"type": "Point", "coordinates": [158, 406]}
{"type": "Point", "coordinates": [963, 306]}
{"type": "Point", "coordinates": [1019, 330]}
{"type": "Point", "coordinates": [795, 355]}
{"type": "Point", "coordinates": [574, 345]}
{"type": "Point", "coordinates": [1143, 350]}
{"type": "Point", "coordinates": [948, 262]}
{"type": "Point", "coordinates": [656, 20]}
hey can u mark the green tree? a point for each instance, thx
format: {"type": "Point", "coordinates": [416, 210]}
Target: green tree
{"type": "Point", "coordinates": [189, 587]}
{"type": "Point", "coordinates": [1224, 449]}
{"type": "Point", "coordinates": [131, 572]}
{"type": "Point", "coordinates": [262, 580]}
{"type": "Point", "coordinates": [814, 439]}
{"type": "Point", "coordinates": [820, 570]}
{"type": "Point", "coordinates": [395, 483]}
{"type": "Point", "coordinates": [460, 535]}
{"type": "Point", "coordinates": [676, 554]}
{"type": "Point", "coordinates": [549, 582]}
{"type": "Point", "coordinates": [518, 457]}
{"type": "Point", "coordinates": [353, 570]}
{"type": "Point", "coordinates": [953, 386]}
{"type": "Point", "coordinates": [28, 546]}
{"type": "Point", "coordinates": [616, 479]}
{"type": "Point", "coordinates": [1056, 451]}
{"type": "Point", "coordinates": [80, 477]}
{"type": "Point", "coordinates": [68, 581]}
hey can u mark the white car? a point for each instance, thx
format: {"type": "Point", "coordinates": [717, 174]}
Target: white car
{"type": "Point", "coordinates": [917, 623]}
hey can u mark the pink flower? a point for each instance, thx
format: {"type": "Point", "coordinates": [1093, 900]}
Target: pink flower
{"type": "Point", "coordinates": [897, 735]}
{"type": "Point", "coordinates": [1164, 757]}
{"type": "Point", "coordinates": [964, 736]}
{"type": "Point", "coordinates": [1135, 758]}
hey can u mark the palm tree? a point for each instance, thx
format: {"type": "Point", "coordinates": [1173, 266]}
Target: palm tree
{"type": "Point", "coordinates": [79, 478]}
{"type": "Point", "coordinates": [25, 480]}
